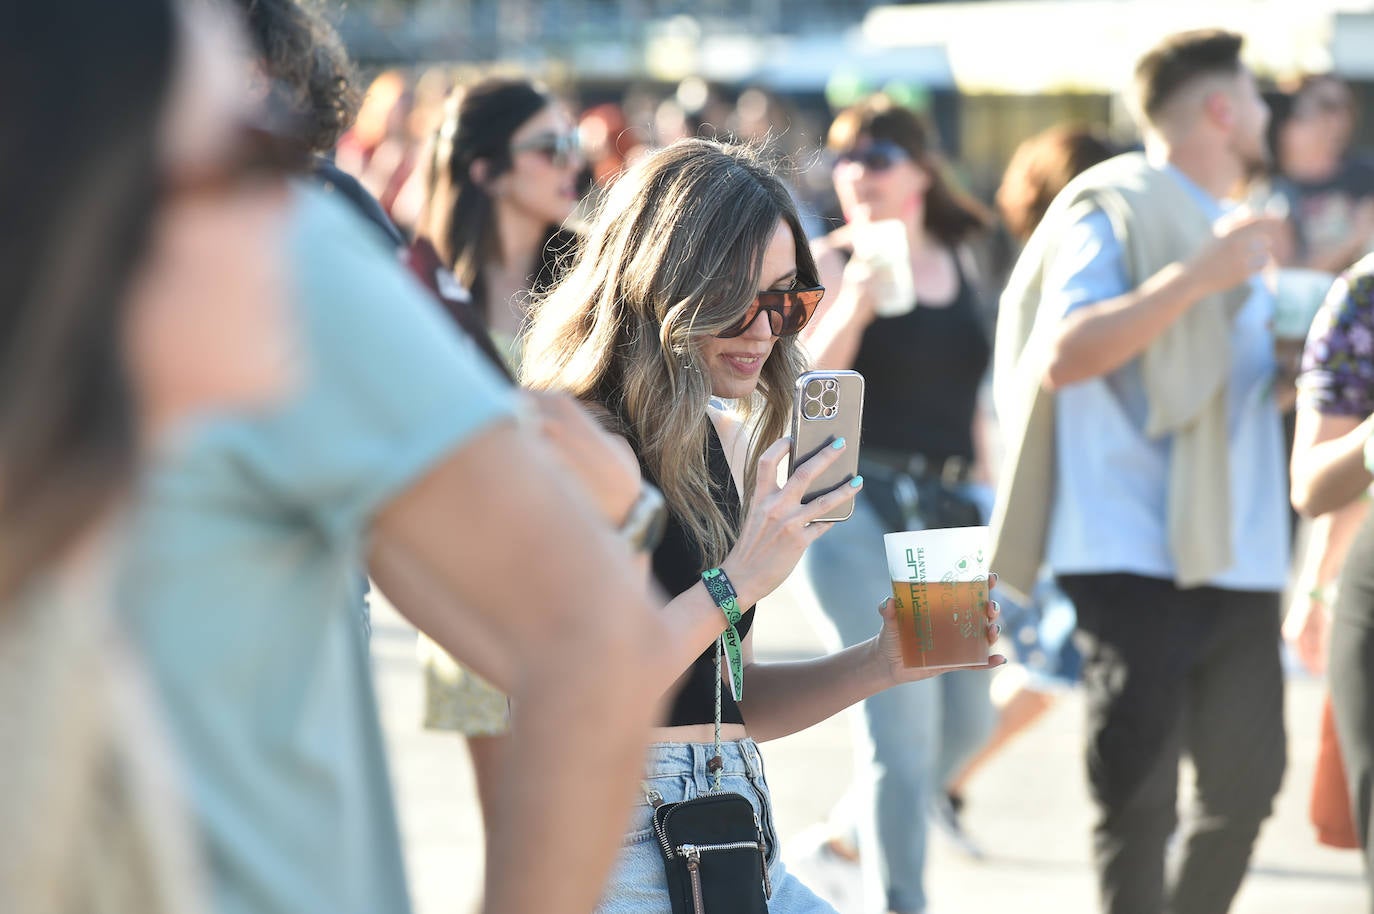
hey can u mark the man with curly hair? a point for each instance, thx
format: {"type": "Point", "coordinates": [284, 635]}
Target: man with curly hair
{"type": "Point", "coordinates": [304, 58]}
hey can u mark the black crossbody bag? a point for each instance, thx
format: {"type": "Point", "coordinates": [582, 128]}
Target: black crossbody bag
{"type": "Point", "coordinates": [713, 849]}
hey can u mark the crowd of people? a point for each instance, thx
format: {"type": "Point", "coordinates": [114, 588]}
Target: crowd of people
{"type": "Point", "coordinates": [274, 342]}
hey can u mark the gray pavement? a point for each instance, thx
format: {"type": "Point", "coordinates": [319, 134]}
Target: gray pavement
{"type": "Point", "coordinates": [1028, 808]}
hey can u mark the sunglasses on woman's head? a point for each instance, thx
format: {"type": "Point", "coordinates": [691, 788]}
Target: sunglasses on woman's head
{"type": "Point", "coordinates": [880, 155]}
{"type": "Point", "coordinates": [788, 311]}
{"type": "Point", "coordinates": [559, 148]}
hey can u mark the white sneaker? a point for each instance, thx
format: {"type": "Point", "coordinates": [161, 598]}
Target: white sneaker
{"type": "Point", "coordinates": [831, 876]}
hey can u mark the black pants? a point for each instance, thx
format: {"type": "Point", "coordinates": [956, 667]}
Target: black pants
{"type": "Point", "coordinates": [1352, 684]}
{"type": "Point", "coordinates": [1170, 671]}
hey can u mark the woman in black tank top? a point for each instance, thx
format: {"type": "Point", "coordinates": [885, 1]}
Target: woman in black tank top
{"type": "Point", "coordinates": [692, 286]}
{"type": "Point", "coordinates": [923, 362]}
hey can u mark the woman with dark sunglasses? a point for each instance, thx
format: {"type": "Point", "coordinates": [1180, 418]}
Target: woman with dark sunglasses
{"type": "Point", "coordinates": [501, 182]}
{"type": "Point", "coordinates": [678, 322]}
{"type": "Point", "coordinates": [924, 365]}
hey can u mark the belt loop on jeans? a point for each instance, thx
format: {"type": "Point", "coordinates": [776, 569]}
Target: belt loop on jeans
{"type": "Point", "coordinates": [753, 765]}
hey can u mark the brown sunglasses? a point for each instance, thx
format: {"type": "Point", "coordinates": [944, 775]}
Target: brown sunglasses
{"type": "Point", "coordinates": [788, 311]}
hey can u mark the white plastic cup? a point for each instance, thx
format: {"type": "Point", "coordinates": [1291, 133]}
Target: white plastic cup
{"type": "Point", "coordinates": [882, 246]}
{"type": "Point", "coordinates": [940, 585]}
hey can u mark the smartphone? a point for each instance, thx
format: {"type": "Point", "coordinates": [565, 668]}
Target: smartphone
{"type": "Point", "coordinates": [827, 405]}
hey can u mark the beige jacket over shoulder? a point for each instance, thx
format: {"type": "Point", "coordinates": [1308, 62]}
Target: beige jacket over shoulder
{"type": "Point", "coordinates": [1158, 222]}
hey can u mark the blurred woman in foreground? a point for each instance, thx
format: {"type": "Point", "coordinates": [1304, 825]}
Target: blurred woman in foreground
{"type": "Point", "coordinates": [143, 287]}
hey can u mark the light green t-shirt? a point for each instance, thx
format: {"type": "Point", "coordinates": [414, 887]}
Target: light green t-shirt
{"type": "Point", "coordinates": [244, 584]}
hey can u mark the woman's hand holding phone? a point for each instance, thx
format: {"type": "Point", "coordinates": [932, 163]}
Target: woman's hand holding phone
{"type": "Point", "coordinates": [778, 527]}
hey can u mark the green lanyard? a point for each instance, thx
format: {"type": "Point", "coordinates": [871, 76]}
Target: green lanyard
{"type": "Point", "coordinates": [723, 593]}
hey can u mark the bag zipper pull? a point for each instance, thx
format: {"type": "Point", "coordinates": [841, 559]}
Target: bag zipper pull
{"type": "Point", "coordinates": [763, 860]}
{"type": "Point", "coordinates": [654, 797]}
{"type": "Point", "coordinates": [694, 871]}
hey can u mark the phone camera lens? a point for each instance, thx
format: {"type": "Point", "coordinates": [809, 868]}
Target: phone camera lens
{"type": "Point", "coordinates": [813, 389]}
{"type": "Point", "coordinates": [812, 409]}
{"type": "Point", "coordinates": [830, 398]}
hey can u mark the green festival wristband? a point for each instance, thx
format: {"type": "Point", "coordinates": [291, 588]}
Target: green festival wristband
{"type": "Point", "coordinates": [723, 593]}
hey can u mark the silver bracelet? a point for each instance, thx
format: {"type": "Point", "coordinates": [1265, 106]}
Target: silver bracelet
{"type": "Point", "coordinates": [648, 519]}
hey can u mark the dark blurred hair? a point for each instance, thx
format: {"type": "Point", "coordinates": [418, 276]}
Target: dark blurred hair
{"type": "Point", "coordinates": [1309, 91]}
{"type": "Point", "coordinates": [950, 214]}
{"type": "Point", "coordinates": [1178, 60]}
{"type": "Point", "coordinates": [1039, 169]}
{"type": "Point", "coordinates": [460, 216]}
{"type": "Point", "coordinates": [304, 56]}
{"type": "Point", "coordinates": [1280, 105]}
{"type": "Point", "coordinates": [84, 86]}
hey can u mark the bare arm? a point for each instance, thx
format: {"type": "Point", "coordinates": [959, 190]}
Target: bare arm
{"type": "Point", "coordinates": [833, 336]}
{"type": "Point", "coordinates": [530, 562]}
{"type": "Point", "coordinates": [1307, 623]}
{"type": "Point", "coordinates": [1100, 338]}
{"type": "Point", "coordinates": [1328, 461]}
{"type": "Point", "coordinates": [985, 458]}
{"type": "Point", "coordinates": [786, 698]}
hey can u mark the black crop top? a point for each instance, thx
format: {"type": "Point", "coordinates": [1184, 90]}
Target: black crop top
{"type": "Point", "coordinates": [921, 372]}
{"type": "Point", "coordinates": [678, 567]}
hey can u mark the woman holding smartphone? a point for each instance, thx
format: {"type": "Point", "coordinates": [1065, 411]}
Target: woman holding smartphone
{"type": "Point", "coordinates": [693, 284]}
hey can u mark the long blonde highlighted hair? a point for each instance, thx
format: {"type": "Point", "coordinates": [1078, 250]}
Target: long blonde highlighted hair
{"type": "Point", "coordinates": [673, 258]}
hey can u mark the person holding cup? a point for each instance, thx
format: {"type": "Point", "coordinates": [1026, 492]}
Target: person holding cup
{"type": "Point", "coordinates": [907, 317]}
{"type": "Point", "coordinates": [691, 289]}
{"type": "Point", "coordinates": [1134, 383]}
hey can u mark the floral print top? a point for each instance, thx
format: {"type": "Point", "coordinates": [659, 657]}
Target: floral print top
{"type": "Point", "coordinates": [1338, 361]}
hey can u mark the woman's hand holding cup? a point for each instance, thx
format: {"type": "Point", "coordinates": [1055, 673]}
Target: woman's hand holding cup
{"type": "Point", "coordinates": [890, 641]}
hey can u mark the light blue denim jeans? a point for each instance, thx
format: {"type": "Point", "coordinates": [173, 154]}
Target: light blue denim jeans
{"type": "Point", "coordinates": [913, 737]}
{"type": "Point", "coordinates": [675, 772]}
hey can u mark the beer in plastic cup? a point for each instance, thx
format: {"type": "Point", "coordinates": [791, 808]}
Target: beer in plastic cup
{"type": "Point", "coordinates": [940, 585]}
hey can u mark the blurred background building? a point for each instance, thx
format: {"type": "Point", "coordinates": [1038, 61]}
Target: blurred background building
{"type": "Point", "coordinates": [990, 72]}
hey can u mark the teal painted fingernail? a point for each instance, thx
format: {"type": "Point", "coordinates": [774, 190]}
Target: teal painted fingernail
{"type": "Point", "coordinates": [837, 443]}
{"type": "Point", "coordinates": [856, 482]}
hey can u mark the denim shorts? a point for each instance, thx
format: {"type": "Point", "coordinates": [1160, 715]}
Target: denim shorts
{"type": "Point", "coordinates": [675, 772]}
